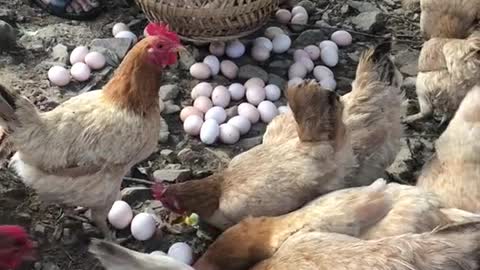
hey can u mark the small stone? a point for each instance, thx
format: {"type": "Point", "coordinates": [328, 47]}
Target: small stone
{"type": "Point", "coordinates": [232, 111]}
{"type": "Point", "coordinates": [168, 91]}
{"type": "Point", "coordinates": [408, 62]}
{"type": "Point", "coordinates": [37, 266]}
{"type": "Point", "coordinates": [344, 9]}
{"type": "Point", "coordinates": [170, 107]}
{"type": "Point", "coordinates": [277, 80]}
{"type": "Point", "coordinates": [308, 5]}
{"type": "Point", "coordinates": [50, 266]}
{"type": "Point", "coordinates": [119, 46]}
{"type": "Point", "coordinates": [280, 67]}
{"type": "Point", "coordinates": [164, 133]}
{"type": "Point", "coordinates": [363, 6]}
{"type": "Point", "coordinates": [8, 39]}
{"type": "Point", "coordinates": [133, 195]}
{"type": "Point", "coordinates": [249, 71]}
{"type": "Point", "coordinates": [323, 23]}
{"type": "Point", "coordinates": [248, 143]}
{"type": "Point", "coordinates": [172, 175]}
{"type": "Point", "coordinates": [369, 21]}
{"type": "Point", "coordinates": [39, 229]}
{"type": "Point", "coordinates": [309, 37]}
{"type": "Point", "coordinates": [24, 218]}
{"type": "Point", "coordinates": [166, 153]}
{"type": "Point", "coordinates": [60, 54]}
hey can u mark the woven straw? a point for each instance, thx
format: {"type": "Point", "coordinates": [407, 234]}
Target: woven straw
{"type": "Point", "coordinates": [210, 20]}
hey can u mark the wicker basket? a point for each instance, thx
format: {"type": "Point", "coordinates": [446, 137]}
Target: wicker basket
{"type": "Point", "coordinates": [210, 20]}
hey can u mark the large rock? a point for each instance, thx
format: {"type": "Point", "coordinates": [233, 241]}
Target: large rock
{"type": "Point", "coordinates": [309, 37]}
{"type": "Point", "coordinates": [249, 71]}
{"type": "Point", "coordinates": [7, 36]}
{"type": "Point", "coordinates": [369, 21]}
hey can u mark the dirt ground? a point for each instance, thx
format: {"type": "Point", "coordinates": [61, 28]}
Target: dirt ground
{"type": "Point", "coordinates": [62, 240]}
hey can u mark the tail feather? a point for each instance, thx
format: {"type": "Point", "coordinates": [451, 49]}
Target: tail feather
{"type": "Point", "coordinates": [459, 216]}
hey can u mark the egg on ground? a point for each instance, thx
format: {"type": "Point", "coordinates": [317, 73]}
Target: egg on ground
{"type": "Point", "coordinates": [120, 215]}
{"type": "Point", "coordinates": [255, 94]}
{"type": "Point", "coordinates": [143, 226]}
{"type": "Point", "coordinates": [202, 89]}
{"type": "Point", "coordinates": [229, 134]}
{"type": "Point", "coordinates": [210, 131]}
{"type": "Point", "coordinates": [249, 111]}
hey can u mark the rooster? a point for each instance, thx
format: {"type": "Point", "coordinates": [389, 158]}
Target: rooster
{"type": "Point", "coordinates": [78, 153]}
{"type": "Point", "coordinates": [15, 247]}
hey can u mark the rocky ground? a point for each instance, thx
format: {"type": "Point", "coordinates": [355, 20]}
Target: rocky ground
{"type": "Point", "coordinates": [43, 40]}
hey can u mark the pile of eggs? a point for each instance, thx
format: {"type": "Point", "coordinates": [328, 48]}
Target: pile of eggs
{"type": "Point", "coordinates": [298, 15]}
{"type": "Point", "coordinates": [207, 117]}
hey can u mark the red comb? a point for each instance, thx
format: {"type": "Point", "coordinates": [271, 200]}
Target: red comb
{"type": "Point", "coordinates": [162, 29]}
{"type": "Point", "coordinates": [158, 190]}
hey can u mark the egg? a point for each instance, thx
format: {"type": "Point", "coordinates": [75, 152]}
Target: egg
{"type": "Point", "coordinates": [221, 96]}
{"type": "Point", "coordinates": [203, 103]}
{"type": "Point", "coordinates": [200, 71]}
{"type": "Point", "coordinates": [95, 60]}
{"type": "Point", "coordinates": [235, 49]}
{"type": "Point", "coordinates": [254, 81]}
{"type": "Point", "coordinates": [193, 124]}
{"type": "Point", "coordinates": [297, 70]}
{"type": "Point", "coordinates": [328, 43]}
{"type": "Point", "coordinates": [127, 34]}
{"type": "Point", "coordinates": [263, 41]}
{"type": "Point", "coordinates": [143, 226]}
{"type": "Point", "coordinates": [283, 109]}
{"type": "Point", "coordinates": [202, 89]}
{"type": "Point", "coordinates": [209, 131]}
{"type": "Point", "coordinates": [300, 18]}
{"type": "Point", "coordinates": [294, 81]}
{"type": "Point", "coordinates": [299, 10]}
{"type": "Point", "coordinates": [260, 53]}
{"type": "Point", "coordinates": [190, 110]}
{"type": "Point", "coordinates": [249, 111]}
{"type": "Point", "coordinates": [59, 75]}
{"type": "Point", "coordinates": [78, 54]}
{"type": "Point", "coordinates": [213, 63]}
{"type": "Point", "coordinates": [307, 63]}
{"type": "Point", "coordinates": [255, 94]}
{"type": "Point", "coordinates": [272, 92]}
{"type": "Point", "coordinates": [216, 113]}
{"type": "Point", "coordinates": [119, 27]}
{"type": "Point", "coordinates": [229, 134]}
{"type": "Point", "coordinates": [322, 72]}
{"type": "Point", "coordinates": [120, 215]}
{"type": "Point", "coordinates": [341, 38]}
{"type": "Point", "coordinates": [297, 54]}
{"type": "Point", "coordinates": [329, 56]}
{"type": "Point", "coordinates": [217, 48]}
{"type": "Point", "coordinates": [272, 31]}
{"type": "Point", "coordinates": [241, 123]}
{"type": "Point", "coordinates": [181, 252]}
{"type": "Point", "coordinates": [267, 111]}
{"type": "Point", "coordinates": [80, 71]}
{"type": "Point", "coordinates": [312, 51]}
{"type": "Point", "coordinates": [281, 43]}
{"type": "Point", "coordinates": [237, 91]}
{"type": "Point", "coordinates": [283, 16]}
{"type": "Point", "coordinates": [229, 69]}
{"type": "Point", "coordinates": [328, 83]}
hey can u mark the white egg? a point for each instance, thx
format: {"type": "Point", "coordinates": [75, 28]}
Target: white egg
{"type": "Point", "coordinates": [283, 109]}
{"type": "Point", "coordinates": [59, 75]}
{"type": "Point", "coordinates": [249, 111]}
{"type": "Point", "coordinates": [313, 51]}
{"type": "Point", "coordinates": [217, 48]}
{"type": "Point", "coordinates": [307, 63]}
{"type": "Point", "coordinates": [299, 10]}
{"type": "Point", "coordinates": [260, 53]}
{"type": "Point", "coordinates": [272, 31]}
{"type": "Point", "coordinates": [297, 54]}
{"type": "Point", "coordinates": [254, 81]}
{"type": "Point", "coordinates": [143, 226]}
{"type": "Point", "coordinates": [342, 38]}
{"type": "Point", "coordinates": [229, 69]}
{"type": "Point", "coordinates": [203, 103]}
{"type": "Point", "coordinates": [120, 215]}
{"type": "Point", "coordinates": [78, 54]}
{"type": "Point", "coordinates": [235, 49]}
{"type": "Point", "coordinates": [294, 81]}
{"type": "Point", "coordinates": [322, 72]}
{"type": "Point", "coordinates": [241, 123]}
{"type": "Point", "coordinates": [210, 131]}
{"type": "Point", "coordinates": [263, 41]}
{"type": "Point", "coordinates": [213, 63]}
{"type": "Point", "coordinates": [255, 94]}
{"type": "Point", "coordinates": [237, 91]}
{"type": "Point", "coordinates": [80, 71]}
{"type": "Point", "coordinates": [281, 43]}
{"type": "Point", "coordinates": [119, 27]}
{"type": "Point", "coordinates": [216, 113]}
{"type": "Point", "coordinates": [190, 110]}
{"type": "Point", "coordinates": [158, 253]}
{"type": "Point", "coordinates": [221, 96]}
{"type": "Point", "coordinates": [229, 134]}
{"type": "Point", "coordinates": [127, 34]}
{"type": "Point", "coordinates": [202, 89]}
{"type": "Point", "coordinates": [200, 71]}
{"type": "Point", "coordinates": [328, 43]}
{"type": "Point", "coordinates": [283, 16]}
{"type": "Point", "coordinates": [267, 110]}
{"type": "Point", "coordinates": [193, 124]}
{"type": "Point", "coordinates": [95, 60]}
{"type": "Point", "coordinates": [272, 92]}
{"type": "Point", "coordinates": [297, 70]}
{"type": "Point", "coordinates": [181, 252]}
{"type": "Point", "coordinates": [329, 56]}
{"type": "Point", "coordinates": [300, 18]}
{"type": "Point", "coordinates": [328, 83]}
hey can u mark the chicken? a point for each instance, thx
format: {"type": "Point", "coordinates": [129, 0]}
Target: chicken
{"type": "Point", "coordinates": [78, 153]}
{"type": "Point", "coordinates": [370, 212]}
{"type": "Point", "coordinates": [273, 179]}
{"type": "Point", "coordinates": [15, 247]}
{"type": "Point", "coordinates": [448, 69]}
{"type": "Point", "coordinates": [448, 18]}
{"type": "Point", "coordinates": [115, 257]}
{"type": "Point", "coordinates": [453, 171]}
